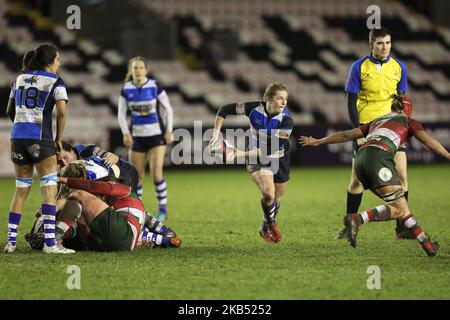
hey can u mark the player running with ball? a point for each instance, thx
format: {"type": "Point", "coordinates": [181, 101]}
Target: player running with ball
{"type": "Point", "coordinates": [269, 120]}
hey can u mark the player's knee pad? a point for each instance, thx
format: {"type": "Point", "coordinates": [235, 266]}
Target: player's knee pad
{"type": "Point", "coordinates": [392, 196]}
{"type": "Point", "coordinates": [24, 182]}
{"type": "Point", "coordinates": [49, 180]}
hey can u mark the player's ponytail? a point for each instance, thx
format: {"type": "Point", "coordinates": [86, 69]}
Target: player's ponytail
{"type": "Point", "coordinates": [129, 76]}
{"type": "Point", "coordinates": [26, 59]}
{"type": "Point", "coordinates": [40, 58]}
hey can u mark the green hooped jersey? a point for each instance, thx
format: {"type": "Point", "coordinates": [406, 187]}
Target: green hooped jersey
{"type": "Point", "coordinates": [390, 131]}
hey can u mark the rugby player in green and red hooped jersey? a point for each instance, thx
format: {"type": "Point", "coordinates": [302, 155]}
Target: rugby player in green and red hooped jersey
{"type": "Point", "coordinates": [115, 228]}
{"type": "Point", "coordinates": [375, 168]}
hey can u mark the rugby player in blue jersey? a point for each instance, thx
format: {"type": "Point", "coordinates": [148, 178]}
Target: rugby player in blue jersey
{"type": "Point", "coordinates": [270, 121]}
{"type": "Point", "coordinates": [117, 167]}
{"type": "Point", "coordinates": [149, 133]}
{"type": "Point", "coordinates": [33, 96]}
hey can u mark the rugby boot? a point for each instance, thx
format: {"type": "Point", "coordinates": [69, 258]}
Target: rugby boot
{"type": "Point", "coordinates": [264, 232]}
{"type": "Point", "coordinates": [9, 248]}
{"type": "Point", "coordinates": [342, 234]}
{"type": "Point", "coordinates": [175, 242]}
{"type": "Point", "coordinates": [431, 248]}
{"type": "Point", "coordinates": [274, 232]}
{"type": "Point", "coordinates": [57, 248]}
{"type": "Point", "coordinates": [352, 226]}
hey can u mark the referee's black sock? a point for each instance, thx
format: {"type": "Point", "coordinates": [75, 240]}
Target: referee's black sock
{"type": "Point", "coordinates": [353, 202]}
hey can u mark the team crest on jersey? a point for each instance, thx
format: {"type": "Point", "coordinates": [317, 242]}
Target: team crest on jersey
{"type": "Point", "coordinates": [32, 80]}
{"type": "Point", "coordinates": [385, 174]}
{"type": "Point", "coordinates": [34, 150]}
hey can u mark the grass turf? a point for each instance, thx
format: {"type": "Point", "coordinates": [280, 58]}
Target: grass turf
{"type": "Point", "coordinates": [217, 215]}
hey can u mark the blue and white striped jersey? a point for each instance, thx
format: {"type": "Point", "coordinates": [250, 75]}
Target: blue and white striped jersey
{"type": "Point", "coordinates": [265, 128]}
{"type": "Point", "coordinates": [144, 103]}
{"type": "Point", "coordinates": [95, 168]}
{"type": "Point", "coordinates": [35, 94]}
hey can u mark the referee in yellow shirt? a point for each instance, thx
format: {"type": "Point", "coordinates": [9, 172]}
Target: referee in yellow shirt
{"type": "Point", "coordinates": [371, 82]}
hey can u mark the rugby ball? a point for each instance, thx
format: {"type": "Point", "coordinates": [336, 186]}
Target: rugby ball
{"type": "Point", "coordinates": [222, 151]}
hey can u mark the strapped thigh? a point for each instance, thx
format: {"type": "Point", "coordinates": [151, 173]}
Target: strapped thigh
{"type": "Point", "coordinates": [392, 196]}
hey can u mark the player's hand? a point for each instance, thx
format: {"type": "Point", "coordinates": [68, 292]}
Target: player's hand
{"type": "Point", "coordinates": [62, 180]}
{"type": "Point", "coordinates": [308, 141]}
{"type": "Point", "coordinates": [213, 140]}
{"type": "Point", "coordinates": [128, 141]}
{"type": "Point", "coordinates": [361, 141]}
{"type": "Point", "coordinates": [168, 137]}
{"type": "Point", "coordinates": [110, 159]}
{"type": "Point", "coordinates": [58, 145]}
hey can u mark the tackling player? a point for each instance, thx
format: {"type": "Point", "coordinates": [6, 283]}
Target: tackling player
{"type": "Point", "coordinates": [116, 228]}
{"type": "Point", "coordinates": [149, 135]}
{"type": "Point", "coordinates": [33, 96]}
{"type": "Point", "coordinates": [269, 120]}
{"type": "Point", "coordinates": [375, 168]}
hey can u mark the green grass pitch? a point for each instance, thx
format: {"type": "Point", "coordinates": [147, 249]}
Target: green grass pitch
{"type": "Point", "coordinates": [217, 215]}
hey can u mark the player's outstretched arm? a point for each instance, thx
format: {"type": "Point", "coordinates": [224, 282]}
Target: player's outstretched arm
{"type": "Point", "coordinates": [338, 137]}
{"type": "Point", "coordinates": [218, 122]}
{"type": "Point", "coordinates": [432, 144]}
{"type": "Point", "coordinates": [104, 188]}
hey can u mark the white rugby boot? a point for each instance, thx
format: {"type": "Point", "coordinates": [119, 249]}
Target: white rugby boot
{"type": "Point", "coordinates": [57, 248]}
{"type": "Point", "coordinates": [9, 248]}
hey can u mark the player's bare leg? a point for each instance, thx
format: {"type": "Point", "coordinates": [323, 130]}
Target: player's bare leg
{"type": "Point", "coordinates": [156, 161]}
{"type": "Point", "coordinates": [24, 174]}
{"type": "Point", "coordinates": [401, 165]}
{"type": "Point", "coordinates": [396, 208]}
{"type": "Point", "coordinates": [263, 178]}
{"type": "Point", "coordinates": [47, 171]}
{"type": "Point", "coordinates": [80, 204]}
{"type": "Point", "coordinates": [139, 161]}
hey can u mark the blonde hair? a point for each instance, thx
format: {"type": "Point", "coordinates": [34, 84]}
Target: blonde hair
{"type": "Point", "coordinates": [128, 76]}
{"type": "Point", "coordinates": [272, 89]}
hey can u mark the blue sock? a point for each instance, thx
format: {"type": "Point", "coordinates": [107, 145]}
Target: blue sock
{"type": "Point", "coordinates": [49, 215]}
{"type": "Point", "coordinates": [139, 190]}
{"type": "Point", "coordinates": [161, 195]}
{"type": "Point", "coordinates": [13, 224]}
{"type": "Point", "coordinates": [269, 212]}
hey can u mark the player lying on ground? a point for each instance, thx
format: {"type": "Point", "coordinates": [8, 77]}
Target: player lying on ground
{"type": "Point", "coordinates": [375, 168]}
{"type": "Point", "coordinates": [114, 165]}
{"type": "Point", "coordinates": [104, 230]}
{"type": "Point", "coordinates": [115, 228]}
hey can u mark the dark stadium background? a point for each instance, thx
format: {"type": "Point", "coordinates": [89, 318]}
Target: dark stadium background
{"type": "Point", "coordinates": [208, 53]}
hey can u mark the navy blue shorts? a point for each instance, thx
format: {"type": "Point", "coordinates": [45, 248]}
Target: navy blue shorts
{"type": "Point", "coordinates": [280, 170]}
{"type": "Point", "coordinates": [144, 144]}
{"type": "Point", "coordinates": [128, 173]}
{"type": "Point", "coordinates": [25, 151]}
